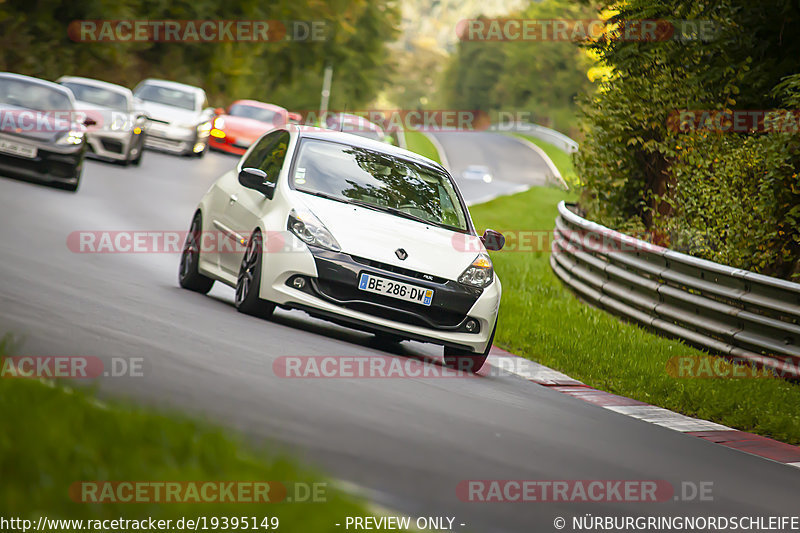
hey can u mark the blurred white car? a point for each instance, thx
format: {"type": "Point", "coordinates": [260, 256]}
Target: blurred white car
{"type": "Point", "coordinates": [121, 129]}
{"type": "Point", "coordinates": [351, 230]}
{"type": "Point", "coordinates": [178, 114]}
{"type": "Point", "coordinates": [477, 172]}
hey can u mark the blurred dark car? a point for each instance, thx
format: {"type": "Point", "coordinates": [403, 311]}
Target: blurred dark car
{"type": "Point", "coordinates": [42, 137]}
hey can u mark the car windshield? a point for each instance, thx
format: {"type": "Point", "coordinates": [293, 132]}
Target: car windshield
{"type": "Point", "coordinates": [36, 96]}
{"type": "Point", "coordinates": [256, 113]}
{"type": "Point", "coordinates": [368, 134]}
{"type": "Point", "coordinates": [378, 181]}
{"type": "Point", "coordinates": [167, 96]}
{"type": "Point", "coordinates": [98, 96]}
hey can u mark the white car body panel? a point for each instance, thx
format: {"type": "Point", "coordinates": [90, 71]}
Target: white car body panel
{"type": "Point", "coordinates": [231, 211]}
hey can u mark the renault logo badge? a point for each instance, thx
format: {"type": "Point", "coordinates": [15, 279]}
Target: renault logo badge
{"type": "Point", "coordinates": [401, 254]}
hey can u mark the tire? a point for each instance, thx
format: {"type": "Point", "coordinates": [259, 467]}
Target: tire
{"type": "Point", "coordinates": [72, 187]}
{"type": "Point", "coordinates": [466, 360]}
{"type": "Point", "coordinates": [188, 275]}
{"type": "Point", "coordinates": [138, 161]}
{"type": "Point", "coordinates": [248, 283]}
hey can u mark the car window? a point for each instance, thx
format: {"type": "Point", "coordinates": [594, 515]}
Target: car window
{"type": "Point", "coordinates": [37, 96]}
{"type": "Point", "coordinates": [98, 95]}
{"type": "Point", "coordinates": [256, 113]}
{"type": "Point", "coordinates": [269, 154]}
{"type": "Point", "coordinates": [378, 180]}
{"type": "Point", "coordinates": [166, 96]}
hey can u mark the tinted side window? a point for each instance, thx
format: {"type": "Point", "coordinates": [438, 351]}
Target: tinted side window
{"type": "Point", "coordinates": [269, 154]}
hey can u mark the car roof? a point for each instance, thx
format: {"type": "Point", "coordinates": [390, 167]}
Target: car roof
{"type": "Point", "coordinates": [39, 81]}
{"type": "Point", "coordinates": [263, 105]}
{"type": "Point", "coordinates": [97, 83]}
{"type": "Point", "coordinates": [171, 85]}
{"type": "Point", "coordinates": [310, 132]}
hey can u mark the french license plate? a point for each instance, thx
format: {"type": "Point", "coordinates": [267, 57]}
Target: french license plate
{"type": "Point", "coordinates": [395, 289]}
{"type": "Point", "coordinates": [21, 150]}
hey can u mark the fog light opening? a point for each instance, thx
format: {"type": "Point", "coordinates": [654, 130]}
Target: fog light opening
{"type": "Point", "coordinates": [298, 283]}
{"type": "Point", "coordinates": [198, 148]}
{"type": "Point", "coordinates": [471, 325]}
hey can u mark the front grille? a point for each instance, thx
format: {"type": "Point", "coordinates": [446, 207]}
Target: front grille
{"type": "Point", "coordinates": [351, 297]}
{"type": "Point", "coordinates": [398, 270]}
{"type": "Point", "coordinates": [111, 145]}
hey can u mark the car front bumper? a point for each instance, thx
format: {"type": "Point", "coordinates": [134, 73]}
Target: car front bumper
{"type": "Point", "coordinates": [114, 146]}
{"type": "Point", "coordinates": [331, 292]}
{"type": "Point", "coordinates": [52, 163]}
{"type": "Point", "coordinates": [174, 139]}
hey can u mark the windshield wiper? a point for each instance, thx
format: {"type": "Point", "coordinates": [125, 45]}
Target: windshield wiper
{"type": "Point", "coordinates": [392, 210]}
{"type": "Point", "coordinates": [325, 195]}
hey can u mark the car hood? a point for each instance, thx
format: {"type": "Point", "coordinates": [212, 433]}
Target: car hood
{"type": "Point", "coordinates": [170, 114]}
{"type": "Point", "coordinates": [32, 124]}
{"type": "Point", "coordinates": [103, 115]}
{"type": "Point", "coordinates": [374, 235]}
{"type": "Point", "coordinates": [247, 128]}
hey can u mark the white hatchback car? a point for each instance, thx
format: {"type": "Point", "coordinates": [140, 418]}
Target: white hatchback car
{"type": "Point", "coordinates": [350, 230]}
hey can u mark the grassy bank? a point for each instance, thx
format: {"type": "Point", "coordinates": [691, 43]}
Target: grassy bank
{"type": "Point", "coordinates": [417, 142]}
{"type": "Point", "coordinates": [53, 437]}
{"type": "Point", "coordinates": [543, 321]}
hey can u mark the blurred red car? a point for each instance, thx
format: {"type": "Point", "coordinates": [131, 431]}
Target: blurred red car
{"type": "Point", "coordinates": [235, 129]}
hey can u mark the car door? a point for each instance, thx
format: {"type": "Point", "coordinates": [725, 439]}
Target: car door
{"type": "Point", "coordinates": [246, 207]}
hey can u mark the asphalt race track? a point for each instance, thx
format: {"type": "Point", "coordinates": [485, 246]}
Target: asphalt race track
{"type": "Point", "coordinates": [406, 442]}
{"type": "Point", "coordinates": [513, 165]}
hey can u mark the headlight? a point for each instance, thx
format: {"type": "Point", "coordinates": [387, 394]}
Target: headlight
{"type": "Point", "coordinates": [121, 124]}
{"type": "Point", "coordinates": [205, 127]}
{"type": "Point", "coordinates": [219, 123]}
{"type": "Point", "coordinates": [310, 230]}
{"type": "Point", "coordinates": [479, 274]}
{"type": "Point", "coordinates": [71, 137]}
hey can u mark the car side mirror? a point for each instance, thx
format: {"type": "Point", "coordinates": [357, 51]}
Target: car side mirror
{"type": "Point", "coordinates": [493, 240]}
{"type": "Point", "coordinates": [255, 178]}
{"type": "Point", "coordinates": [219, 111]}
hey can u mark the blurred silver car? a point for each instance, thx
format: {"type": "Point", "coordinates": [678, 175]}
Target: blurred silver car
{"type": "Point", "coordinates": [121, 128]}
{"type": "Point", "coordinates": [477, 172]}
{"type": "Point", "coordinates": [179, 118]}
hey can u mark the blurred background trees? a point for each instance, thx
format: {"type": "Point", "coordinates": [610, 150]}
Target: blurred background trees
{"type": "Point", "coordinates": [34, 41]}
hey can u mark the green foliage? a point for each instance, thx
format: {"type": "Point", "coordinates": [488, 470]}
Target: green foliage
{"type": "Point", "coordinates": [286, 72]}
{"type": "Point", "coordinates": [729, 197]}
{"type": "Point", "coordinates": [540, 77]}
{"type": "Point", "coordinates": [543, 321]}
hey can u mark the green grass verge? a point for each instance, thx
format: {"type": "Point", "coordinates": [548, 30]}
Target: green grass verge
{"type": "Point", "coordinates": [543, 321]}
{"type": "Point", "coordinates": [52, 436]}
{"type": "Point", "coordinates": [417, 142]}
{"type": "Point", "coordinates": [560, 159]}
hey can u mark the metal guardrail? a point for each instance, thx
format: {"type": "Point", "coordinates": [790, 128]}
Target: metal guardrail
{"type": "Point", "coordinates": [556, 138]}
{"type": "Point", "coordinates": [736, 313]}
